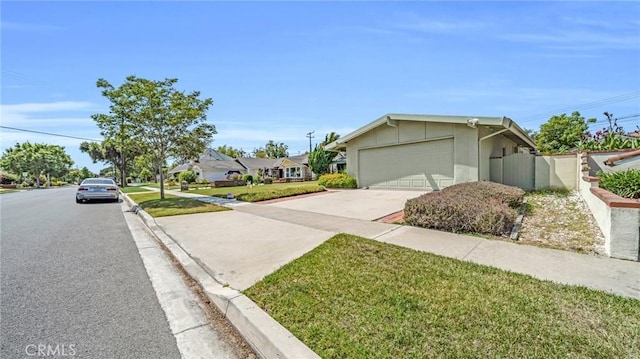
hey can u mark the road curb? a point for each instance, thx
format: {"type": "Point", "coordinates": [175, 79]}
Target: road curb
{"type": "Point", "coordinates": [265, 335]}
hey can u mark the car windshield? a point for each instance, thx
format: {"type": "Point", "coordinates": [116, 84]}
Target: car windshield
{"type": "Point", "coordinates": [98, 181]}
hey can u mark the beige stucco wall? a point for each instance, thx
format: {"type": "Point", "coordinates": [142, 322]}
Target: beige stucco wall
{"type": "Point", "coordinates": [559, 171]}
{"type": "Point", "coordinates": [465, 157]}
{"type": "Point", "coordinates": [620, 226]}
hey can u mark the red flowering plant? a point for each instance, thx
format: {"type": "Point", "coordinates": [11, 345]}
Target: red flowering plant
{"type": "Point", "coordinates": [612, 137]}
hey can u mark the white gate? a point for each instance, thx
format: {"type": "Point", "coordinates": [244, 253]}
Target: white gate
{"type": "Point", "coordinates": [516, 170]}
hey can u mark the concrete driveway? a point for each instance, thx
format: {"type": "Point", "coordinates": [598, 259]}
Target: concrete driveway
{"type": "Point", "coordinates": [359, 204]}
{"type": "Point", "coordinates": [242, 246]}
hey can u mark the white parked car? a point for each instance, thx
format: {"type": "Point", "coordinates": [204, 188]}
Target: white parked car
{"type": "Point", "coordinates": [97, 188]}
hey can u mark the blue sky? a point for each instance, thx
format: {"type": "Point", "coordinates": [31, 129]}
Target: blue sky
{"type": "Point", "coordinates": [277, 70]}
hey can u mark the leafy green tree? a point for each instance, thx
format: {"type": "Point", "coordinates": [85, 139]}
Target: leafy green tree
{"type": "Point", "coordinates": [319, 159]}
{"type": "Point", "coordinates": [145, 174]}
{"type": "Point", "coordinates": [36, 159]}
{"type": "Point", "coordinates": [75, 175]}
{"type": "Point", "coordinates": [231, 152]}
{"type": "Point", "coordinates": [143, 164]}
{"type": "Point", "coordinates": [187, 176]}
{"type": "Point", "coordinates": [153, 115]}
{"type": "Point", "coordinates": [108, 152]}
{"type": "Point", "coordinates": [562, 133]}
{"type": "Point", "coordinates": [259, 152]}
{"type": "Point", "coordinates": [276, 150]}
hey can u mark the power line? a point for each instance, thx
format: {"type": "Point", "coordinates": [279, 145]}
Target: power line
{"type": "Point", "coordinates": [601, 102]}
{"type": "Point", "coordinates": [49, 134]}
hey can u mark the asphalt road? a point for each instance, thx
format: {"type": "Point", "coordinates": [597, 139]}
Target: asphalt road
{"type": "Point", "coordinates": [72, 282]}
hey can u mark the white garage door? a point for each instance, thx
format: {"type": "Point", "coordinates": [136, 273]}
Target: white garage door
{"type": "Point", "coordinates": [424, 165]}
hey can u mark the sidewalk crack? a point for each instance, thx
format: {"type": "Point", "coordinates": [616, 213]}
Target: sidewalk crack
{"type": "Point", "coordinates": [194, 327]}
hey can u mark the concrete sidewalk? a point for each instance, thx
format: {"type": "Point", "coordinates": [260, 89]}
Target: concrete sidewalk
{"type": "Point", "coordinates": [240, 247]}
{"type": "Point", "coordinates": [227, 252]}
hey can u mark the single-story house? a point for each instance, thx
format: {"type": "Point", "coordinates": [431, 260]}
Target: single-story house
{"type": "Point", "coordinates": [211, 166]}
{"type": "Point", "coordinates": [292, 167]}
{"type": "Point", "coordinates": [428, 152]}
{"type": "Point", "coordinates": [258, 167]}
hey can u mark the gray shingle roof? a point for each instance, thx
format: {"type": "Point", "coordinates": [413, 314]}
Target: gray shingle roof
{"type": "Point", "coordinates": [256, 163]}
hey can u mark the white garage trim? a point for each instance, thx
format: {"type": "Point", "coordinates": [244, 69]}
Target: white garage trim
{"type": "Point", "coordinates": [423, 165]}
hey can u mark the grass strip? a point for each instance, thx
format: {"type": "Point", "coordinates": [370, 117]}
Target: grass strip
{"type": "Point", "coordinates": [133, 189]}
{"type": "Point", "coordinates": [357, 298]}
{"type": "Point", "coordinates": [172, 205]}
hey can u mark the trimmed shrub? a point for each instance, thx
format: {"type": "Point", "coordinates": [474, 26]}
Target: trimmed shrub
{"type": "Point", "coordinates": [486, 190]}
{"type": "Point", "coordinates": [187, 176]}
{"type": "Point", "coordinates": [268, 180]}
{"type": "Point", "coordinates": [337, 180]}
{"type": "Point", "coordinates": [8, 178]}
{"type": "Point", "coordinates": [248, 178]}
{"type": "Point", "coordinates": [623, 183]}
{"type": "Point", "coordinates": [476, 207]}
{"type": "Point", "coordinates": [279, 193]}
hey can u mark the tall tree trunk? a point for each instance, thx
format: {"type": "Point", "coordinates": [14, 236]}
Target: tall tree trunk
{"type": "Point", "coordinates": [161, 181]}
{"type": "Point", "coordinates": [123, 178]}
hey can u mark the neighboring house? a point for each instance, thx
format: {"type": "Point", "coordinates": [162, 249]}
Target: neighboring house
{"type": "Point", "coordinates": [428, 152]}
{"type": "Point", "coordinates": [339, 163]}
{"type": "Point", "coordinates": [259, 167]}
{"type": "Point", "coordinates": [294, 167]}
{"type": "Point", "coordinates": [211, 166]}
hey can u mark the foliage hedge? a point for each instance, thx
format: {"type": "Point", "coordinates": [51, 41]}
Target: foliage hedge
{"type": "Point", "coordinates": [624, 183]}
{"type": "Point", "coordinates": [281, 193]}
{"type": "Point", "coordinates": [187, 176]}
{"type": "Point", "coordinates": [337, 180]}
{"type": "Point", "coordinates": [475, 207]}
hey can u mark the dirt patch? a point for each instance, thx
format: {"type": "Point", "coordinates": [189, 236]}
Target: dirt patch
{"type": "Point", "coordinates": [553, 219]}
{"type": "Point", "coordinates": [560, 220]}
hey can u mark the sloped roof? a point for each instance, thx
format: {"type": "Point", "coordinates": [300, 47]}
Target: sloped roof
{"type": "Point", "coordinates": [515, 133]}
{"type": "Point", "coordinates": [181, 168]}
{"type": "Point", "coordinates": [256, 163]}
{"type": "Point", "coordinates": [219, 165]}
{"type": "Point", "coordinates": [211, 154]}
{"type": "Point", "coordinates": [302, 159]}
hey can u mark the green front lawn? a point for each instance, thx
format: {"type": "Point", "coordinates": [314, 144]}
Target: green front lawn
{"type": "Point", "coordinates": [357, 298]}
{"type": "Point", "coordinates": [133, 189]}
{"type": "Point", "coordinates": [263, 188]}
{"type": "Point", "coordinates": [172, 205]}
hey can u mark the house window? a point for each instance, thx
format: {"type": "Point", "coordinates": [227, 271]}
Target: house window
{"type": "Point", "coordinates": [292, 172]}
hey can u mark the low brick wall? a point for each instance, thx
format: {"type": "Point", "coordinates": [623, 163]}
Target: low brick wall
{"type": "Point", "coordinates": [617, 217]}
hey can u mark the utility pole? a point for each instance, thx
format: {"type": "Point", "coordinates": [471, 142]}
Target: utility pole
{"type": "Point", "coordinates": [310, 135]}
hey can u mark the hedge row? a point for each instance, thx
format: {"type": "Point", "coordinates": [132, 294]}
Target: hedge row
{"type": "Point", "coordinates": [287, 192]}
{"type": "Point", "coordinates": [475, 207]}
{"type": "Point", "coordinates": [337, 180]}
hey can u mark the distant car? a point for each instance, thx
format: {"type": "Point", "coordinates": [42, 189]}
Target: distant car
{"type": "Point", "coordinates": [97, 188]}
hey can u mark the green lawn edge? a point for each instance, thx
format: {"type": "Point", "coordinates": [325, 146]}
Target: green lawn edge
{"type": "Point", "coordinates": [172, 205]}
{"type": "Point", "coordinates": [353, 297]}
